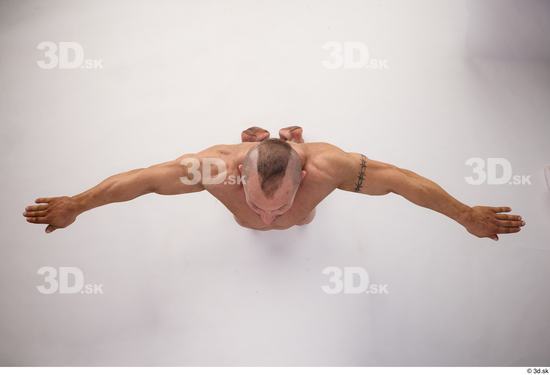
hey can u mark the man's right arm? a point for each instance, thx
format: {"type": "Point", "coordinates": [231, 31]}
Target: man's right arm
{"type": "Point", "coordinates": [164, 178]}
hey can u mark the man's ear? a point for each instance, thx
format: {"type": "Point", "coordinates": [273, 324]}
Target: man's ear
{"type": "Point", "coordinates": [303, 175]}
{"type": "Point", "coordinates": [240, 167]}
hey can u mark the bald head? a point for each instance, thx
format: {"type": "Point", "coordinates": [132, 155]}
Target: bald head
{"type": "Point", "coordinates": [273, 160]}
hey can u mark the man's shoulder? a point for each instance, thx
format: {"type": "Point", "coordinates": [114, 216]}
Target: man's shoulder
{"type": "Point", "coordinates": [231, 155]}
{"type": "Point", "coordinates": [323, 167]}
{"type": "Point", "coordinates": [227, 152]}
{"type": "Point", "coordinates": [322, 154]}
{"type": "Point", "coordinates": [222, 149]}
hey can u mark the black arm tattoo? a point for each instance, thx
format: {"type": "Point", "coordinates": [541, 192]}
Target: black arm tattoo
{"type": "Point", "coordinates": [361, 176]}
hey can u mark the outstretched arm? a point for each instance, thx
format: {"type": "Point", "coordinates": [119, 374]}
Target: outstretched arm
{"type": "Point", "coordinates": [60, 212]}
{"type": "Point", "coordinates": [358, 174]}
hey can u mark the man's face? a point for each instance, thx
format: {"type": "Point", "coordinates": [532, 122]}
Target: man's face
{"type": "Point", "coordinates": [269, 208]}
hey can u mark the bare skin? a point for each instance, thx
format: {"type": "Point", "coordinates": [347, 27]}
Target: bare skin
{"type": "Point", "coordinates": [325, 168]}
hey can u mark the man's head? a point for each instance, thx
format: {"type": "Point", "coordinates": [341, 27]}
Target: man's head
{"type": "Point", "coordinates": [272, 172]}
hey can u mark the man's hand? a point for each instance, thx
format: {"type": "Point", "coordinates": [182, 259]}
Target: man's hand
{"type": "Point", "coordinates": [489, 221]}
{"type": "Point", "coordinates": [58, 212]}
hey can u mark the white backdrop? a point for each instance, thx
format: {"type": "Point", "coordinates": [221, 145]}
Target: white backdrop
{"type": "Point", "coordinates": [182, 283]}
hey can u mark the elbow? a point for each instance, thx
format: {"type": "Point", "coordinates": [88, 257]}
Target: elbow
{"type": "Point", "coordinates": [144, 179]}
{"type": "Point", "coordinates": [400, 180]}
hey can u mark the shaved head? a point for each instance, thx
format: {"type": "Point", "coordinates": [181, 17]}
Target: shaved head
{"type": "Point", "coordinates": [273, 160]}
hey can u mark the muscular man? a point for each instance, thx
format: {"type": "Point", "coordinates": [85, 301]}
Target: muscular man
{"type": "Point", "coordinates": [283, 180]}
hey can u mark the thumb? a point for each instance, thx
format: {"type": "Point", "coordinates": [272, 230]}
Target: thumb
{"type": "Point", "coordinates": [50, 228]}
{"type": "Point", "coordinates": [494, 237]}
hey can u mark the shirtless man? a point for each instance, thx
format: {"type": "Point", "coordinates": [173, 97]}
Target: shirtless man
{"type": "Point", "coordinates": [283, 180]}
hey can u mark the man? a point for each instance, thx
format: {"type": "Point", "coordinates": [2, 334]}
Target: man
{"type": "Point", "coordinates": [283, 181]}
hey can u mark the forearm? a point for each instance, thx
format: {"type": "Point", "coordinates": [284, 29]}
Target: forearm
{"type": "Point", "coordinates": [118, 188]}
{"type": "Point", "coordinates": [426, 193]}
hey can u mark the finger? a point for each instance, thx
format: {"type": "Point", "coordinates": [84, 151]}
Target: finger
{"type": "Point", "coordinates": [34, 213]}
{"type": "Point", "coordinates": [501, 209]}
{"type": "Point", "coordinates": [43, 200]}
{"type": "Point", "coordinates": [510, 223]}
{"type": "Point", "coordinates": [508, 229]}
{"type": "Point", "coordinates": [508, 217]}
{"type": "Point", "coordinates": [39, 207]}
{"type": "Point", "coordinates": [50, 228]}
{"type": "Point", "coordinates": [494, 237]}
{"type": "Point", "coordinates": [37, 220]}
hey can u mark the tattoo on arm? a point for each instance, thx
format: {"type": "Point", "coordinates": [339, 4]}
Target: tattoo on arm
{"type": "Point", "coordinates": [361, 176]}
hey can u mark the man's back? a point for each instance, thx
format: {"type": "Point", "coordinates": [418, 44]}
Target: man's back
{"type": "Point", "coordinates": [313, 189]}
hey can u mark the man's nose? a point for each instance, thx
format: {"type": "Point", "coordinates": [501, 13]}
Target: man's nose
{"type": "Point", "coordinates": [267, 218]}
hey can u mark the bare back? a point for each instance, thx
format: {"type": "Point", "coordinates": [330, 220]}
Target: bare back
{"type": "Point", "coordinates": [313, 189]}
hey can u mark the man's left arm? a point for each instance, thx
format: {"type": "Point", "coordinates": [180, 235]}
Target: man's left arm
{"type": "Point", "coordinates": [356, 173]}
